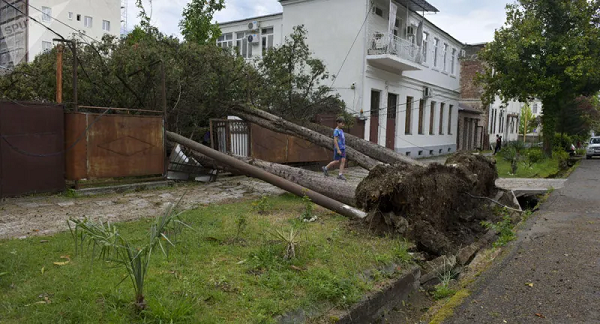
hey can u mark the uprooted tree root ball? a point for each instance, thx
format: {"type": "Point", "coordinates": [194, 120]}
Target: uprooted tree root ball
{"type": "Point", "coordinates": [432, 206]}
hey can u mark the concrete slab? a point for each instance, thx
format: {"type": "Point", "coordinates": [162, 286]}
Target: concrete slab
{"type": "Point", "coordinates": [521, 186]}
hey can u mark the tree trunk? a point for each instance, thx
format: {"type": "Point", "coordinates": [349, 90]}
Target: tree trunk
{"type": "Point", "coordinates": [370, 149]}
{"type": "Point", "coordinates": [278, 124]}
{"type": "Point", "coordinates": [551, 107]}
{"type": "Point", "coordinates": [327, 186]}
{"type": "Point", "coordinates": [255, 172]}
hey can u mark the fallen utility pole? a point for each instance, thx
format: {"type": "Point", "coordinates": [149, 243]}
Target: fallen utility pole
{"type": "Point", "coordinates": [258, 173]}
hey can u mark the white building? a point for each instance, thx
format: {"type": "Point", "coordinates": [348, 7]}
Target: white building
{"type": "Point", "coordinates": [504, 119]}
{"type": "Point", "coordinates": [22, 38]}
{"type": "Point", "coordinates": [407, 93]}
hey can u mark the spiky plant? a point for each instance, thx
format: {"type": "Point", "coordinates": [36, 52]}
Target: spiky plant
{"type": "Point", "coordinates": [107, 244]}
{"type": "Point", "coordinates": [290, 240]}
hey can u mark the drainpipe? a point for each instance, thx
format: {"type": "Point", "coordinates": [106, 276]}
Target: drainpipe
{"type": "Point", "coordinates": [364, 61]}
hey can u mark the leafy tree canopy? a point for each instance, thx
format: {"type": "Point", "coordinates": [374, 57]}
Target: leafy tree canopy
{"type": "Point", "coordinates": [196, 25]}
{"type": "Point", "coordinates": [548, 49]}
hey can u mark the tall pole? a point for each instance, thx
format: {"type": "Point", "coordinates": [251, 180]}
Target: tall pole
{"type": "Point", "coordinates": [59, 70]}
{"type": "Point", "coordinates": [75, 64]}
{"type": "Point", "coordinates": [525, 128]}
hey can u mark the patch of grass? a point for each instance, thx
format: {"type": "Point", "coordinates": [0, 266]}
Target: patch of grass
{"type": "Point", "coordinates": [70, 193]}
{"type": "Point", "coordinates": [205, 278]}
{"type": "Point", "coordinates": [542, 169]}
{"type": "Point", "coordinates": [448, 309]}
{"type": "Point", "coordinates": [504, 229]}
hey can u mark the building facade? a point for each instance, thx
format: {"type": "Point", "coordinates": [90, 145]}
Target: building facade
{"type": "Point", "coordinates": [22, 38]}
{"type": "Point", "coordinates": [498, 119]}
{"type": "Point", "coordinates": [397, 71]}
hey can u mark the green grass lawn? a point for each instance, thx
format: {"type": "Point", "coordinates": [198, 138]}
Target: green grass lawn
{"type": "Point", "coordinates": [542, 169]}
{"type": "Point", "coordinates": [209, 277]}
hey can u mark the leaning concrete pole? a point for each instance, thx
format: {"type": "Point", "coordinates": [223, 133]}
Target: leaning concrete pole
{"type": "Point", "coordinates": [258, 173]}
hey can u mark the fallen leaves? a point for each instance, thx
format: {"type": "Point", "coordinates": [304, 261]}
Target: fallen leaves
{"type": "Point", "coordinates": [540, 315]}
{"type": "Point", "coordinates": [530, 284]}
{"type": "Point", "coordinates": [62, 263]}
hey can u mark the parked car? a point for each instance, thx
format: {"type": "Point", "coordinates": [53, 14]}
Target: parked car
{"type": "Point", "coordinates": [593, 148]}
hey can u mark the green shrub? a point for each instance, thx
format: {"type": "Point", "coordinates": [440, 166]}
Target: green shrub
{"type": "Point", "coordinates": [262, 205]}
{"type": "Point", "coordinates": [504, 229]}
{"type": "Point", "coordinates": [534, 156]}
{"type": "Point", "coordinates": [513, 153]}
{"type": "Point", "coordinates": [563, 158]}
{"type": "Point", "coordinates": [562, 141]}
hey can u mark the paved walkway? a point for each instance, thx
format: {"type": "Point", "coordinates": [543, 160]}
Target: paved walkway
{"type": "Point", "coordinates": [552, 272]}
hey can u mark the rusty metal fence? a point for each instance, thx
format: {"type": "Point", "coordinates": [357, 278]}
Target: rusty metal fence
{"type": "Point", "coordinates": [31, 148]}
{"type": "Point", "coordinates": [117, 145]}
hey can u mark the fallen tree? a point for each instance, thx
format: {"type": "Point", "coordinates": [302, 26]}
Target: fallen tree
{"type": "Point", "coordinates": [280, 125]}
{"type": "Point", "coordinates": [368, 148]}
{"type": "Point", "coordinates": [255, 172]}
{"type": "Point", "coordinates": [328, 186]}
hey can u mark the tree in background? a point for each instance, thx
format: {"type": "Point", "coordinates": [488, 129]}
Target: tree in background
{"type": "Point", "coordinates": [527, 115]}
{"type": "Point", "coordinates": [196, 25]}
{"type": "Point", "coordinates": [549, 50]}
{"type": "Point", "coordinates": [291, 81]}
{"type": "Point", "coordinates": [580, 117]}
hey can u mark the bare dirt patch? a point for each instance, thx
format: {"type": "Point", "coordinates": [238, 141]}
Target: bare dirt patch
{"type": "Point", "coordinates": [46, 215]}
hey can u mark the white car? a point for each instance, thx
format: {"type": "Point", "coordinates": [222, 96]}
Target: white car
{"type": "Point", "coordinates": [593, 148]}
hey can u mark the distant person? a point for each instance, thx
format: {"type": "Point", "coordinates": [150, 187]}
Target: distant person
{"type": "Point", "coordinates": [498, 144]}
{"type": "Point", "coordinates": [339, 150]}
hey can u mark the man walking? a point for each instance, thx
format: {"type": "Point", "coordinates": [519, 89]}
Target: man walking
{"type": "Point", "coordinates": [339, 150]}
{"type": "Point", "coordinates": [498, 144]}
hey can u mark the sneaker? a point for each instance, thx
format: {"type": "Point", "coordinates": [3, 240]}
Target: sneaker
{"type": "Point", "coordinates": [341, 177]}
{"type": "Point", "coordinates": [325, 171]}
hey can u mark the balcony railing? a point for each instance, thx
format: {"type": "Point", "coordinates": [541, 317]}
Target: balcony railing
{"type": "Point", "coordinates": [382, 43]}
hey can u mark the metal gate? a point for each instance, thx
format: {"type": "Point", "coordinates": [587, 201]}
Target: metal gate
{"type": "Point", "coordinates": [230, 136]}
{"type": "Point", "coordinates": [31, 148]}
{"type": "Point", "coordinates": [114, 146]}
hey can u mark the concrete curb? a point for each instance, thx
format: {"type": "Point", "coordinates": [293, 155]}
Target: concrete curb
{"type": "Point", "coordinates": [123, 188]}
{"type": "Point", "coordinates": [375, 306]}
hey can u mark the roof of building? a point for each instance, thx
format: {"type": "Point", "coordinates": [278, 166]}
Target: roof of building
{"type": "Point", "coordinates": [251, 18]}
{"type": "Point", "coordinates": [465, 108]}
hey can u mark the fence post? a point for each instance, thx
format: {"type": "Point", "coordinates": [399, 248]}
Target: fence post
{"type": "Point", "coordinates": [227, 137]}
{"type": "Point", "coordinates": [59, 70]}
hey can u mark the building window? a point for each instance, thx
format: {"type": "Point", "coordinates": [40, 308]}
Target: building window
{"type": "Point", "coordinates": [392, 105]}
{"type": "Point", "coordinates": [267, 39]}
{"type": "Point", "coordinates": [445, 57]}
{"type": "Point", "coordinates": [87, 21]}
{"type": "Point", "coordinates": [78, 17]}
{"type": "Point", "coordinates": [408, 120]}
{"type": "Point", "coordinates": [225, 40]}
{"type": "Point", "coordinates": [70, 16]}
{"type": "Point", "coordinates": [378, 11]}
{"type": "Point", "coordinates": [501, 127]}
{"type": "Point", "coordinates": [46, 46]}
{"type": "Point", "coordinates": [46, 14]}
{"type": "Point", "coordinates": [441, 124]}
{"type": "Point", "coordinates": [421, 116]}
{"type": "Point", "coordinates": [450, 109]}
{"type": "Point", "coordinates": [105, 25]}
{"type": "Point", "coordinates": [535, 108]}
{"type": "Point", "coordinates": [436, 50]}
{"type": "Point", "coordinates": [243, 47]}
{"type": "Point", "coordinates": [452, 63]}
{"type": "Point", "coordinates": [397, 26]}
{"type": "Point", "coordinates": [432, 118]}
{"type": "Point", "coordinates": [425, 43]}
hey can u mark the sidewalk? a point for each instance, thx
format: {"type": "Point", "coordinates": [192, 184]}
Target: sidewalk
{"type": "Point", "coordinates": [551, 274]}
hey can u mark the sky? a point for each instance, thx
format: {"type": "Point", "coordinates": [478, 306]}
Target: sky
{"type": "Point", "coordinates": [469, 21]}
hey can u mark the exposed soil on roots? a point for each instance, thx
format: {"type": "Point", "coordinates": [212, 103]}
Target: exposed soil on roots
{"type": "Point", "coordinates": [432, 206]}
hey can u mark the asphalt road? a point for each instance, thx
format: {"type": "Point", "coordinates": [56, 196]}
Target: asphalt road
{"type": "Point", "coordinates": [552, 272]}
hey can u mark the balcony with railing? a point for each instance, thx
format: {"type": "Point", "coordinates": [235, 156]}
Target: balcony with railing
{"type": "Point", "coordinates": [393, 53]}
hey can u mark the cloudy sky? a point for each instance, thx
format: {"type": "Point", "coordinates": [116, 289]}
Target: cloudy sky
{"type": "Point", "coordinates": [470, 21]}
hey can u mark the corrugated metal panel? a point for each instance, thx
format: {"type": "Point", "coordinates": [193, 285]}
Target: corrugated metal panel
{"type": "Point", "coordinates": [31, 148]}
